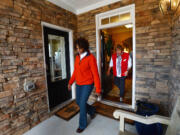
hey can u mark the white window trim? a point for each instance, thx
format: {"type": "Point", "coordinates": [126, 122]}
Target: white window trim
{"type": "Point", "coordinates": [71, 56]}
{"type": "Point", "coordinates": [127, 9]}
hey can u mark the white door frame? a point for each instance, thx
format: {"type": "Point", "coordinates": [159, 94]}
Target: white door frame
{"type": "Point", "coordinates": [127, 9]}
{"type": "Point", "coordinates": [71, 53]}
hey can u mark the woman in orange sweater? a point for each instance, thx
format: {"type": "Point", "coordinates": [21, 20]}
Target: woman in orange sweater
{"type": "Point", "coordinates": [86, 76]}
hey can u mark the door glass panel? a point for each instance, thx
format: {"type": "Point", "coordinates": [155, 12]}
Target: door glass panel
{"type": "Point", "coordinates": [114, 19]}
{"type": "Point", "coordinates": [57, 57]}
{"type": "Point", "coordinates": [105, 21]}
{"type": "Point", "coordinates": [124, 17]}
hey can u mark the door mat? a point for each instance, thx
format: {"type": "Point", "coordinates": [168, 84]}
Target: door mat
{"type": "Point", "coordinates": [107, 110]}
{"type": "Point", "coordinates": [68, 111]}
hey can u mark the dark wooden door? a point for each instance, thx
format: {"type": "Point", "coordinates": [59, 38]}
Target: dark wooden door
{"type": "Point", "coordinates": [58, 65]}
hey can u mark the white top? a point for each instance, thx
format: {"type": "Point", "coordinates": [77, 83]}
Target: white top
{"type": "Point", "coordinates": [82, 55]}
{"type": "Point", "coordinates": [111, 65]}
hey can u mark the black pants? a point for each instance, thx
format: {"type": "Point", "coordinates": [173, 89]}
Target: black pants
{"type": "Point", "coordinates": [120, 83]}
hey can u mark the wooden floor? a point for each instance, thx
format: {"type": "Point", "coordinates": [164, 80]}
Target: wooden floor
{"type": "Point", "coordinates": [116, 99]}
{"type": "Point", "coordinates": [113, 95]}
{"type": "Point", "coordinates": [107, 111]}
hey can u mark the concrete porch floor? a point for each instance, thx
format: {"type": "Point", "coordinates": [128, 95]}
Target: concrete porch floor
{"type": "Point", "coordinates": [100, 125]}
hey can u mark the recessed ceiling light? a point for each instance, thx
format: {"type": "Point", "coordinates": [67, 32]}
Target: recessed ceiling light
{"type": "Point", "coordinates": [128, 26]}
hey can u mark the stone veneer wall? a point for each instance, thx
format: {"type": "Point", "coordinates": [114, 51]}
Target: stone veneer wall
{"type": "Point", "coordinates": [175, 65]}
{"type": "Point", "coordinates": [21, 57]}
{"type": "Point", "coordinates": [153, 52]}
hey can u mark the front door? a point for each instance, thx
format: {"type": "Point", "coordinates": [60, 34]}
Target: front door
{"type": "Point", "coordinates": [57, 65]}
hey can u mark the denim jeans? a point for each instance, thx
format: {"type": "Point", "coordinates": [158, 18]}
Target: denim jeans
{"type": "Point", "coordinates": [82, 94]}
{"type": "Point", "coordinates": [120, 83]}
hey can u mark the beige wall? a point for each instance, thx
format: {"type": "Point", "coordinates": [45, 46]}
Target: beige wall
{"type": "Point", "coordinates": [174, 86]}
{"type": "Point", "coordinates": [119, 38]}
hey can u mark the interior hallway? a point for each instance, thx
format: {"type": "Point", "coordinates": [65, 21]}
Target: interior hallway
{"type": "Point", "coordinates": [100, 125]}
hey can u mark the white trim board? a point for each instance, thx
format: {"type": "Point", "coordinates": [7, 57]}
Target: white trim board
{"type": "Point", "coordinates": [131, 10]}
{"type": "Point", "coordinates": [95, 6]}
{"type": "Point", "coordinates": [71, 52]}
{"type": "Point", "coordinates": [84, 9]}
{"type": "Point", "coordinates": [63, 5]}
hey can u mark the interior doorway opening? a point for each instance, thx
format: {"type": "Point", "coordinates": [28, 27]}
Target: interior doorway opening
{"type": "Point", "coordinates": [121, 17]}
{"type": "Point", "coordinates": [110, 38]}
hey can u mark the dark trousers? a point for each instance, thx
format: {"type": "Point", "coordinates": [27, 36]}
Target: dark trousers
{"type": "Point", "coordinates": [82, 94]}
{"type": "Point", "coordinates": [120, 83]}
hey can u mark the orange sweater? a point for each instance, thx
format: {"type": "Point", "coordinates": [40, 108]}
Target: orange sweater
{"type": "Point", "coordinates": [86, 72]}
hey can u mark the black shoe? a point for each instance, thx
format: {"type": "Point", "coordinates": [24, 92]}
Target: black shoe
{"type": "Point", "coordinates": [121, 100]}
{"type": "Point", "coordinates": [79, 130]}
{"type": "Point", "coordinates": [93, 116]}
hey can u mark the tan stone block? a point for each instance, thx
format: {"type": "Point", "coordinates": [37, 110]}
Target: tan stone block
{"type": "Point", "coordinates": [5, 94]}
{"type": "Point", "coordinates": [2, 78]}
{"type": "Point", "coordinates": [142, 90]}
{"type": "Point", "coordinates": [163, 90]}
{"type": "Point", "coordinates": [9, 71]}
{"type": "Point", "coordinates": [2, 36]}
{"type": "Point", "coordinates": [8, 3]}
{"type": "Point", "coordinates": [18, 9]}
{"type": "Point", "coordinates": [10, 86]}
{"type": "Point", "coordinates": [11, 39]}
{"type": "Point", "coordinates": [145, 74]}
{"type": "Point", "coordinates": [140, 97]}
{"type": "Point", "coordinates": [22, 129]}
{"type": "Point", "coordinates": [151, 44]}
{"type": "Point", "coordinates": [21, 95]}
{"type": "Point", "coordinates": [3, 116]}
{"type": "Point", "coordinates": [157, 21]}
{"type": "Point", "coordinates": [161, 84]}
{"type": "Point", "coordinates": [149, 56]}
{"type": "Point", "coordinates": [139, 56]}
{"type": "Point", "coordinates": [140, 82]}
{"type": "Point", "coordinates": [162, 63]}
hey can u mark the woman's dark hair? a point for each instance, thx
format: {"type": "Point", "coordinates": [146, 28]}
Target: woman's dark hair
{"type": "Point", "coordinates": [82, 43]}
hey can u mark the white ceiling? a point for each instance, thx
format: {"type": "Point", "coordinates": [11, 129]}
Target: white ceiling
{"type": "Point", "coordinates": [81, 6]}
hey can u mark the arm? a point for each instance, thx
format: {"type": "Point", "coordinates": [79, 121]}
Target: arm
{"type": "Point", "coordinates": [94, 70]}
{"type": "Point", "coordinates": [71, 81]}
{"type": "Point", "coordinates": [110, 66]}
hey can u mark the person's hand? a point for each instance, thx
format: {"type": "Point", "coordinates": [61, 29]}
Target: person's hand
{"type": "Point", "coordinates": [126, 73]}
{"type": "Point", "coordinates": [69, 87]}
{"type": "Point", "coordinates": [98, 96]}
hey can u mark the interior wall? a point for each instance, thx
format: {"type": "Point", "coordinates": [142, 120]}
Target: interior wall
{"type": "Point", "coordinates": [119, 38]}
{"type": "Point", "coordinates": [174, 86]}
{"type": "Point", "coordinates": [21, 58]}
{"type": "Point", "coordinates": [153, 48]}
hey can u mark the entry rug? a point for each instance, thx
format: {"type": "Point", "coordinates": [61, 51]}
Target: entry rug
{"type": "Point", "coordinates": [107, 110]}
{"type": "Point", "coordinates": [68, 111]}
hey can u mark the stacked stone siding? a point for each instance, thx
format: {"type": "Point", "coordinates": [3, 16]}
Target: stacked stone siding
{"type": "Point", "coordinates": [153, 47]}
{"type": "Point", "coordinates": [21, 57]}
{"type": "Point", "coordinates": [175, 65]}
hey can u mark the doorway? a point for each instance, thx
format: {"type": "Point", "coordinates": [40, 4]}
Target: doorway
{"type": "Point", "coordinates": [106, 23]}
{"type": "Point", "coordinates": [56, 46]}
{"type": "Point", "coordinates": [110, 38]}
